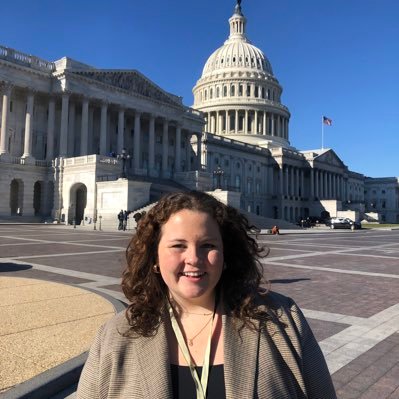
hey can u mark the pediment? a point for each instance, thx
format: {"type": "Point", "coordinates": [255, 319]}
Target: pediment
{"type": "Point", "coordinates": [331, 158]}
{"type": "Point", "coordinates": [133, 82]}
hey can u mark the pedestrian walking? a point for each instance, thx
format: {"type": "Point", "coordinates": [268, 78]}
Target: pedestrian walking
{"type": "Point", "coordinates": [120, 220]}
{"type": "Point", "coordinates": [125, 218]}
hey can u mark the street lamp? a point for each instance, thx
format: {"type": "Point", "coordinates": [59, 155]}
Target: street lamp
{"type": "Point", "coordinates": [219, 172]}
{"type": "Point", "coordinates": [123, 156]}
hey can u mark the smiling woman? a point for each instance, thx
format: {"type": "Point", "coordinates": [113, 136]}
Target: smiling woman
{"type": "Point", "coordinates": [199, 325]}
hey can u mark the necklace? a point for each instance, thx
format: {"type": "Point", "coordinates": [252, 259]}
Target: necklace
{"type": "Point", "coordinates": [190, 340]}
{"type": "Point", "coordinates": [198, 314]}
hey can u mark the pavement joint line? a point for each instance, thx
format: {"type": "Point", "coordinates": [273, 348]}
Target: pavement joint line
{"type": "Point", "coordinates": [63, 254]}
{"type": "Point", "coordinates": [369, 256]}
{"type": "Point", "coordinates": [342, 348]}
{"type": "Point", "coordinates": [66, 272]}
{"type": "Point", "coordinates": [115, 294]}
{"type": "Point", "coordinates": [332, 317]}
{"type": "Point", "coordinates": [329, 269]}
{"type": "Point", "coordinates": [56, 324]}
{"type": "Point", "coordinates": [42, 300]}
{"type": "Point", "coordinates": [65, 242]}
{"type": "Point", "coordinates": [317, 253]}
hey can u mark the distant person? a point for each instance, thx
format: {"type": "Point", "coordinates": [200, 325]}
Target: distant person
{"type": "Point", "coordinates": [120, 220]}
{"type": "Point", "coordinates": [275, 230]}
{"type": "Point", "coordinates": [125, 219]}
{"type": "Point", "coordinates": [200, 323]}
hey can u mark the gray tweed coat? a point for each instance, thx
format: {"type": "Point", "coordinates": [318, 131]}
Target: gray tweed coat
{"type": "Point", "coordinates": [280, 361]}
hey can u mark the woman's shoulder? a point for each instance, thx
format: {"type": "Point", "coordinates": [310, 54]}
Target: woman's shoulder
{"type": "Point", "coordinates": [274, 300]}
{"type": "Point", "coordinates": [115, 329]}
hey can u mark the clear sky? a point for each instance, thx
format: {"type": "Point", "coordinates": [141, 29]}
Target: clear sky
{"type": "Point", "coordinates": [338, 58]}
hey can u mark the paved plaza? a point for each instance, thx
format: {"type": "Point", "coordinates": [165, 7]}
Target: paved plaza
{"type": "Point", "coordinates": [347, 284]}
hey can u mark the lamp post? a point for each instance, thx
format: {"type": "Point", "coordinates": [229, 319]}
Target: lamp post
{"type": "Point", "coordinates": [123, 156]}
{"type": "Point", "coordinates": [219, 172]}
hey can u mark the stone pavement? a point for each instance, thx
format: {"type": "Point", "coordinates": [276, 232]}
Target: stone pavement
{"type": "Point", "coordinates": [347, 284]}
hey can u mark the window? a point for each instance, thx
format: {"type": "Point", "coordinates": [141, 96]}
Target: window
{"type": "Point", "coordinates": [216, 161]}
{"type": "Point", "coordinates": [217, 92]}
{"type": "Point", "coordinates": [226, 163]}
{"type": "Point", "coordinates": [210, 94]}
{"type": "Point", "coordinates": [256, 91]}
{"type": "Point", "coordinates": [240, 90]}
{"type": "Point", "coordinates": [238, 182]}
{"type": "Point", "coordinates": [11, 106]}
{"type": "Point", "coordinates": [248, 90]}
{"type": "Point", "coordinates": [232, 90]}
{"type": "Point", "coordinates": [224, 91]}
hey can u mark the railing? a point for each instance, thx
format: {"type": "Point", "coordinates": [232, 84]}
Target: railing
{"type": "Point", "coordinates": [30, 61]}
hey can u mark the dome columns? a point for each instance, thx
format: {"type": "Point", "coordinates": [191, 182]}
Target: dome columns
{"type": "Point", "coordinates": [247, 121]}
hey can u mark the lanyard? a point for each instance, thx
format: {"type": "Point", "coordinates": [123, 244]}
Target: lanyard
{"type": "Point", "coordinates": [200, 386]}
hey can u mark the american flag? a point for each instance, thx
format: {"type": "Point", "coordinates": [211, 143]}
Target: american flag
{"type": "Point", "coordinates": [327, 121]}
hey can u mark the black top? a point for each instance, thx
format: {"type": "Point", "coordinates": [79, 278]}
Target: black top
{"type": "Point", "coordinates": [183, 383]}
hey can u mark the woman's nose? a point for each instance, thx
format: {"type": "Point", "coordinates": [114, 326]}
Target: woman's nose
{"type": "Point", "coordinates": [193, 256]}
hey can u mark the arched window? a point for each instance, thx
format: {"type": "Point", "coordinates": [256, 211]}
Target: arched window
{"type": "Point", "coordinates": [210, 94]}
{"type": "Point", "coordinates": [232, 90]}
{"type": "Point", "coordinates": [240, 90]}
{"type": "Point", "coordinates": [263, 92]}
{"type": "Point", "coordinates": [224, 91]}
{"type": "Point", "coordinates": [217, 92]}
{"type": "Point", "coordinates": [206, 95]}
{"type": "Point", "coordinates": [238, 182]}
{"type": "Point", "coordinates": [256, 91]}
{"type": "Point", "coordinates": [248, 90]}
{"type": "Point", "coordinates": [268, 94]}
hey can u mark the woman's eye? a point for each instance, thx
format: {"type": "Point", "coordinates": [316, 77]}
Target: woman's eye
{"type": "Point", "coordinates": [178, 246]}
{"type": "Point", "coordinates": [209, 245]}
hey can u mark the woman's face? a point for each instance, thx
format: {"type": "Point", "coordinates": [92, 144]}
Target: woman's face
{"type": "Point", "coordinates": [190, 256]}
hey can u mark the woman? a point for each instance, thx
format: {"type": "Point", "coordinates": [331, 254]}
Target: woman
{"type": "Point", "coordinates": [199, 324]}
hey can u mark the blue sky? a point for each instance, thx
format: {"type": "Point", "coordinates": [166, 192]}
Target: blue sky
{"type": "Point", "coordinates": [338, 58]}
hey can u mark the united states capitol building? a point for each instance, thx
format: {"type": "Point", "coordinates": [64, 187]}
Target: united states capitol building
{"type": "Point", "coordinates": [78, 143]}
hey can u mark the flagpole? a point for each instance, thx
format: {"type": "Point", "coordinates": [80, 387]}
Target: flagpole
{"type": "Point", "coordinates": [322, 133]}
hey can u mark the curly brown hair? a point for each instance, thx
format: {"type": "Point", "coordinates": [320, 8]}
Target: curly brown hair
{"type": "Point", "coordinates": [240, 281]}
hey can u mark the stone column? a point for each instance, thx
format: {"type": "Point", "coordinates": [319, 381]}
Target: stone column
{"type": "Point", "coordinates": [246, 122]}
{"type": "Point", "coordinates": [281, 188]}
{"type": "Point", "coordinates": [64, 125]}
{"type": "Point", "coordinates": [4, 118]}
{"type": "Point", "coordinates": [28, 126]}
{"type": "Point", "coordinates": [212, 123]}
{"type": "Point", "coordinates": [151, 144]}
{"type": "Point", "coordinates": [199, 151]}
{"type": "Point", "coordinates": [286, 190]}
{"type": "Point", "coordinates": [188, 151]}
{"type": "Point", "coordinates": [256, 122]}
{"type": "Point", "coordinates": [103, 129]}
{"type": "Point", "coordinates": [311, 184]}
{"type": "Point", "coordinates": [273, 132]}
{"type": "Point", "coordinates": [136, 140]}
{"type": "Point", "coordinates": [264, 123]}
{"type": "Point", "coordinates": [121, 129]}
{"type": "Point", "coordinates": [71, 130]}
{"type": "Point", "coordinates": [297, 182]}
{"type": "Point", "coordinates": [292, 191]}
{"type": "Point", "coordinates": [50, 129]}
{"type": "Point", "coordinates": [178, 149]}
{"type": "Point", "coordinates": [84, 135]}
{"type": "Point", "coordinates": [165, 146]}
{"type": "Point", "coordinates": [236, 122]}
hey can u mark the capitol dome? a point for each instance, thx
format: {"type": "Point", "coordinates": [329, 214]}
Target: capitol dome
{"type": "Point", "coordinates": [237, 51]}
{"type": "Point", "coordinates": [238, 92]}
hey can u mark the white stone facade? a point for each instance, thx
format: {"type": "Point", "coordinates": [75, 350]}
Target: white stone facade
{"type": "Point", "coordinates": [63, 122]}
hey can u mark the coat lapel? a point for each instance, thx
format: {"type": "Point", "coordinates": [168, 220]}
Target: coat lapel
{"type": "Point", "coordinates": [240, 360]}
{"type": "Point", "coordinates": [153, 357]}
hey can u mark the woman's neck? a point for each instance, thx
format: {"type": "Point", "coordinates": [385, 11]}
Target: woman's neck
{"type": "Point", "coordinates": [200, 306]}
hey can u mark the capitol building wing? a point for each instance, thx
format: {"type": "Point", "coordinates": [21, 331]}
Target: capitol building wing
{"type": "Point", "coordinates": [78, 143]}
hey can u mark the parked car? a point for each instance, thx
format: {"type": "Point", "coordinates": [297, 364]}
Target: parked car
{"type": "Point", "coordinates": [344, 223]}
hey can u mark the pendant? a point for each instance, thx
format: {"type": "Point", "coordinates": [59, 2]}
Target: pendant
{"type": "Point", "coordinates": [190, 342]}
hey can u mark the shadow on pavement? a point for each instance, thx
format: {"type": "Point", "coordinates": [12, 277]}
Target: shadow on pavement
{"type": "Point", "coordinates": [13, 267]}
{"type": "Point", "coordinates": [288, 280]}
